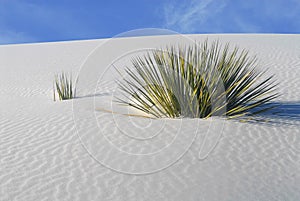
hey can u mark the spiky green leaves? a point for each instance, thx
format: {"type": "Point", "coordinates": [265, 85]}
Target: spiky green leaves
{"type": "Point", "coordinates": [198, 82]}
{"type": "Point", "coordinates": [63, 85]}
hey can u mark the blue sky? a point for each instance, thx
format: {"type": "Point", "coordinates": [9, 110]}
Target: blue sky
{"type": "Point", "coordinates": [27, 21]}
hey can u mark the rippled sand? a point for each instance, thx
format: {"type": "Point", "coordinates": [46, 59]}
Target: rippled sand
{"type": "Point", "coordinates": [56, 150]}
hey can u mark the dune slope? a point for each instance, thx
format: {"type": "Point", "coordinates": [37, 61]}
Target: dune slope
{"type": "Point", "coordinates": [48, 154]}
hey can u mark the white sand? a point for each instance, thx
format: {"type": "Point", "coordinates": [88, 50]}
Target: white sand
{"type": "Point", "coordinates": [44, 156]}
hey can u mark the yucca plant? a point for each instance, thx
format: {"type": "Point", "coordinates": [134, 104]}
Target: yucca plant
{"type": "Point", "coordinates": [197, 81]}
{"type": "Point", "coordinates": [63, 86]}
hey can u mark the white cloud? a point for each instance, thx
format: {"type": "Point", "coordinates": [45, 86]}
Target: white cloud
{"type": "Point", "coordinates": [9, 37]}
{"type": "Point", "coordinates": [219, 16]}
{"type": "Point", "coordinates": [22, 21]}
{"type": "Point", "coordinates": [187, 15]}
{"type": "Point", "coordinates": [9, 34]}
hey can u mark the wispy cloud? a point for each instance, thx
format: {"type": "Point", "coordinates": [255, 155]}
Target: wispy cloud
{"type": "Point", "coordinates": [224, 16]}
{"type": "Point", "coordinates": [22, 21]}
{"type": "Point", "coordinates": [43, 21]}
{"type": "Point", "coordinates": [9, 37]}
{"type": "Point", "coordinates": [188, 16]}
{"type": "Point", "coordinates": [9, 11]}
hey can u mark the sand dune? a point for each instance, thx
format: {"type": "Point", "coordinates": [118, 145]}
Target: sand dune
{"type": "Point", "coordinates": [71, 151]}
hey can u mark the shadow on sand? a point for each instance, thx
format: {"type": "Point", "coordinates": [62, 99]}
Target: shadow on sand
{"type": "Point", "coordinates": [94, 95]}
{"type": "Point", "coordinates": [282, 113]}
{"type": "Point", "coordinates": [285, 110]}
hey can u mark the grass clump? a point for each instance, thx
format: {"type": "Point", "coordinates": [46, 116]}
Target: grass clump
{"type": "Point", "coordinates": [63, 86]}
{"type": "Point", "coordinates": [197, 81]}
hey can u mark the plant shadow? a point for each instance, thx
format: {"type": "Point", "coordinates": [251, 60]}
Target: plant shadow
{"type": "Point", "coordinates": [94, 95]}
{"type": "Point", "coordinates": [287, 113]}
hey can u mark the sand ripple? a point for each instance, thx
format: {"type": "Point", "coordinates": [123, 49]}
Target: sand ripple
{"type": "Point", "coordinates": [42, 157]}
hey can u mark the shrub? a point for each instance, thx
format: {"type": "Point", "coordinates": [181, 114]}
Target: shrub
{"type": "Point", "coordinates": [63, 85]}
{"type": "Point", "coordinates": [197, 82]}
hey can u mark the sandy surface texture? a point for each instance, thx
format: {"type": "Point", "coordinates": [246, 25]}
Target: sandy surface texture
{"type": "Point", "coordinates": [76, 150]}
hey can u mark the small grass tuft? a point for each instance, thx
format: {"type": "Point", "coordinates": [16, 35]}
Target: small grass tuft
{"type": "Point", "coordinates": [63, 86]}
